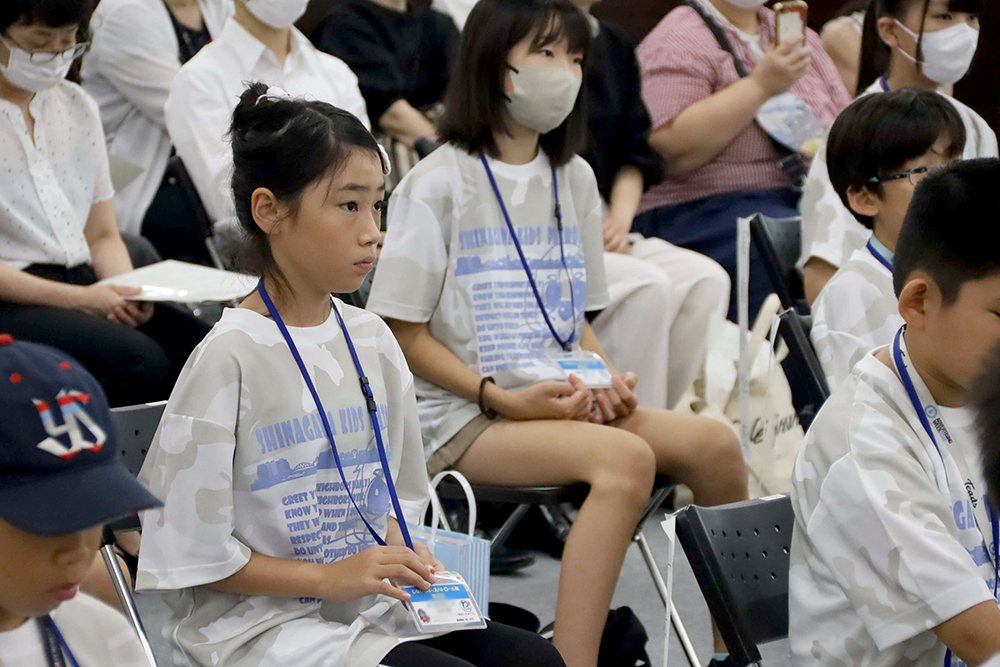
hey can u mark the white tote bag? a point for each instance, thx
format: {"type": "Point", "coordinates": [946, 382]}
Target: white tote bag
{"type": "Point", "coordinates": [458, 552]}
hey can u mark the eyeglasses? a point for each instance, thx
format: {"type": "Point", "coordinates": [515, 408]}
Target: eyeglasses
{"type": "Point", "coordinates": [915, 175]}
{"type": "Point", "coordinates": [46, 57]}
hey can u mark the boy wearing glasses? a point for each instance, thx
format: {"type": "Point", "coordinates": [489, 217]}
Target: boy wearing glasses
{"type": "Point", "coordinates": [879, 148]}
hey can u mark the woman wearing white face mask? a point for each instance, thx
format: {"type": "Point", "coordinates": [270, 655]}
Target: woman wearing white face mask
{"type": "Point", "coordinates": [721, 164]}
{"type": "Point", "coordinates": [260, 43]}
{"type": "Point", "coordinates": [58, 234]}
{"type": "Point", "coordinates": [493, 252]}
{"type": "Point", "coordinates": [925, 44]}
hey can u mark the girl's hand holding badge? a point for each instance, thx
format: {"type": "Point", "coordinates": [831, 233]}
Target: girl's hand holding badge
{"type": "Point", "coordinates": [553, 399]}
{"type": "Point", "coordinates": [617, 401]}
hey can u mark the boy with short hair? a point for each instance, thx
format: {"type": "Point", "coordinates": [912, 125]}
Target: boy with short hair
{"type": "Point", "coordinates": [893, 550]}
{"type": "Point", "coordinates": [879, 148]}
{"type": "Point", "coordinates": [60, 481]}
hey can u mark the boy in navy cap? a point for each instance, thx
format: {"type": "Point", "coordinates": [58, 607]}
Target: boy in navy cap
{"type": "Point", "coordinates": [60, 481]}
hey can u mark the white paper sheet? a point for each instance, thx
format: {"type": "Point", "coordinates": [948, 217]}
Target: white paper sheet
{"type": "Point", "coordinates": [185, 283]}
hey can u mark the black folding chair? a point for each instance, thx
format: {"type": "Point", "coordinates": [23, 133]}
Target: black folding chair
{"type": "Point", "coordinates": [178, 200]}
{"type": "Point", "coordinates": [779, 242]}
{"type": "Point", "coordinates": [739, 555]}
{"type": "Point", "coordinates": [552, 498]}
{"type": "Point", "coordinates": [795, 328]}
{"type": "Point", "coordinates": [135, 426]}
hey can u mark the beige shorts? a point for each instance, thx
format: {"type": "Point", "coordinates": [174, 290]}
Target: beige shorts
{"type": "Point", "coordinates": [452, 451]}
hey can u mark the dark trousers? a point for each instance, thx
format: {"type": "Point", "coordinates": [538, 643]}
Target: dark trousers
{"type": "Point", "coordinates": [172, 227]}
{"type": "Point", "coordinates": [132, 365]}
{"type": "Point", "coordinates": [498, 645]}
{"type": "Point", "coordinates": [708, 226]}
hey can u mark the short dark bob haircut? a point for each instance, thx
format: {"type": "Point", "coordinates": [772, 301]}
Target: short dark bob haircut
{"type": "Point", "coordinates": [877, 134]}
{"type": "Point", "coordinates": [49, 13]}
{"type": "Point", "coordinates": [950, 231]}
{"type": "Point", "coordinates": [474, 102]}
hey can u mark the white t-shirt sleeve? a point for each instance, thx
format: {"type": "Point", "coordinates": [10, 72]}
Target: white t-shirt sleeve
{"type": "Point", "coordinates": [190, 541]}
{"type": "Point", "coordinates": [414, 260]}
{"type": "Point", "coordinates": [880, 528]}
{"type": "Point", "coordinates": [411, 475]}
{"type": "Point", "coordinates": [587, 199]}
{"type": "Point", "coordinates": [94, 131]}
{"type": "Point", "coordinates": [136, 50]}
{"type": "Point", "coordinates": [198, 116]}
{"type": "Point", "coordinates": [830, 232]}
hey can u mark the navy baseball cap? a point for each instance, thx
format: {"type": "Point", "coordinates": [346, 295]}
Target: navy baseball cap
{"type": "Point", "coordinates": [59, 469]}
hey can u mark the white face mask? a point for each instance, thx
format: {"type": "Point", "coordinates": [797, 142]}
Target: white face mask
{"type": "Point", "coordinates": [746, 4]}
{"type": "Point", "coordinates": [543, 97]}
{"type": "Point", "coordinates": [36, 74]}
{"type": "Point", "coordinates": [947, 53]}
{"type": "Point", "coordinates": [279, 14]}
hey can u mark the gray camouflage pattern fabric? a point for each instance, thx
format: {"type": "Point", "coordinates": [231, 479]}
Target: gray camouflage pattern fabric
{"type": "Point", "coordinates": [243, 464]}
{"type": "Point", "coordinates": [885, 545]}
{"type": "Point", "coordinates": [450, 261]}
{"type": "Point", "coordinates": [854, 313]}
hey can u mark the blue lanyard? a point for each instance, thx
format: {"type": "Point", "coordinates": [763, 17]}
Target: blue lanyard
{"type": "Point", "coordinates": [885, 84]}
{"type": "Point", "coordinates": [55, 644]}
{"type": "Point", "coordinates": [899, 357]}
{"type": "Point", "coordinates": [370, 402]}
{"type": "Point", "coordinates": [565, 344]}
{"type": "Point", "coordinates": [880, 252]}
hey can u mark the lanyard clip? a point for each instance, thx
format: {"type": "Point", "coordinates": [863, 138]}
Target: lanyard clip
{"type": "Point", "coordinates": [367, 391]}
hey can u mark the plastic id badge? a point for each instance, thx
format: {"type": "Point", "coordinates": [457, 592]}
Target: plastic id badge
{"type": "Point", "coordinates": [588, 366]}
{"type": "Point", "coordinates": [446, 607]}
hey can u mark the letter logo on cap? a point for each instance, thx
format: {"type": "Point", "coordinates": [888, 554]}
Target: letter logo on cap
{"type": "Point", "coordinates": [71, 407]}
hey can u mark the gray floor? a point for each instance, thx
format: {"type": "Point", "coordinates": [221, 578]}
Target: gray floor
{"type": "Point", "coordinates": [535, 589]}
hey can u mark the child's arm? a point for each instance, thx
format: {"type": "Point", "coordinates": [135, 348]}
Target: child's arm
{"type": "Point", "coordinates": [346, 580]}
{"type": "Point", "coordinates": [973, 635]}
{"type": "Point", "coordinates": [431, 360]}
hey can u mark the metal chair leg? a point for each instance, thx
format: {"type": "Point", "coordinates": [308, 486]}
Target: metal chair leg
{"type": "Point", "coordinates": [508, 527]}
{"type": "Point", "coordinates": [124, 594]}
{"type": "Point", "coordinates": [661, 588]}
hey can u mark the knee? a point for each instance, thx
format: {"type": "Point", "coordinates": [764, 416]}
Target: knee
{"type": "Point", "coordinates": [627, 470]}
{"type": "Point", "coordinates": [715, 284]}
{"type": "Point", "coordinates": [721, 452]}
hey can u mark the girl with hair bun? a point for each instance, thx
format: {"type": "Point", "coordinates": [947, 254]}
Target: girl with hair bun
{"type": "Point", "coordinates": [922, 44]}
{"type": "Point", "coordinates": [286, 484]}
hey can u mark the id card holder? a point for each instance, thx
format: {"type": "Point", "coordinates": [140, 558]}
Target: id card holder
{"type": "Point", "coordinates": [588, 366]}
{"type": "Point", "coordinates": [446, 607]}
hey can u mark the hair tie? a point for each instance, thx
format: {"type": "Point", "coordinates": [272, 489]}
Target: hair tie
{"type": "Point", "coordinates": [274, 93]}
{"type": "Point", "coordinates": [386, 164]}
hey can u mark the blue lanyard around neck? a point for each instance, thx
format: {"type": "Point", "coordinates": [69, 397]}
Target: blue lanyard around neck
{"type": "Point", "coordinates": [902, 367]}
{"type": "Point", "coordinates": [880, 252]}
{"type": "Point", "coordinates": [54, 644]}
{"type": "Point", "coordinates": [885, 84]}
{"type": "Point", "coordinates": [366, 390]}
{"type": "Point", "coordinates": [565, 344]}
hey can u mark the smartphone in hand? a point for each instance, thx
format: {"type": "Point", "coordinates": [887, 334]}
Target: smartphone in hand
{"type": "Point", "coordinates": [790, 20]}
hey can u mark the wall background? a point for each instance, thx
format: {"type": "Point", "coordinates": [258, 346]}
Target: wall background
{"type": "Point", "coordinates": [980, 89]}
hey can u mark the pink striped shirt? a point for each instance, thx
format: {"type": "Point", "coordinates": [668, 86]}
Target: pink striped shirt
{"type": "Point", "coordinates": [682, 63]}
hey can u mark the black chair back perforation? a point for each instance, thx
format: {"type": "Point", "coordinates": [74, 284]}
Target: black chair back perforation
{"type": "Point", "coordinates": [779, 242]}
{"type": "Point", "coordinates": [739, 554]}
{"type": "Point", "coordinates": [135, 426]}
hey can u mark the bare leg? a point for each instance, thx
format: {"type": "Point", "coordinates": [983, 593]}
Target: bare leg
{"type": "Point", "coordinates": [619, 467]}
{"type": "Point", "coordinates": [702, 453]}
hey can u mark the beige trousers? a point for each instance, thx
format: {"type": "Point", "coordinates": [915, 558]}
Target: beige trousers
{"type": "Point", "coordinates": [662, 300]}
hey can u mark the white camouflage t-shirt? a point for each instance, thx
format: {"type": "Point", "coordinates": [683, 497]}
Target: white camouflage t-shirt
{"type": "Point", "coordinates": [243, 464]}
{"type": "Point", "coordinates": [885, 545]}
{"type": "Point", "coordinates": [829, 230]}
{"type": "Point", "coordinates": [449, 260]}
{"type": "Point", "coordinates": [854, 313]}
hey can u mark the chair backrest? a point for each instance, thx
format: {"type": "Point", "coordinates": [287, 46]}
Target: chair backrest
{"type": "Point", "coordinates": [795, 328]}
{"type": "Point", "coordinates": [739, 554]}
{"type": "Point", "coordinates": [779, 242]}
{"type": "Point", "coordinates": [135, 426]}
